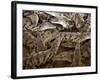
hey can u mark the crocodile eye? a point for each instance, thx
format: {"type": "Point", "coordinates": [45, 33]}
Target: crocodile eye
{"type": "Point", "coordinates": [52, 40]}
{"type": "Point", "coordinates": [85, 17]}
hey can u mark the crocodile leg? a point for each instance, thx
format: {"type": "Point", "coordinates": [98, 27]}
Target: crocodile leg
{"type": "Point", "coordinates": [77, 55]}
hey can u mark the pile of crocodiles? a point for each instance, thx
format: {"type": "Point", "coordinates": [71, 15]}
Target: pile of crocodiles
{"type": "Point", "coordinates": [42, 41]}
